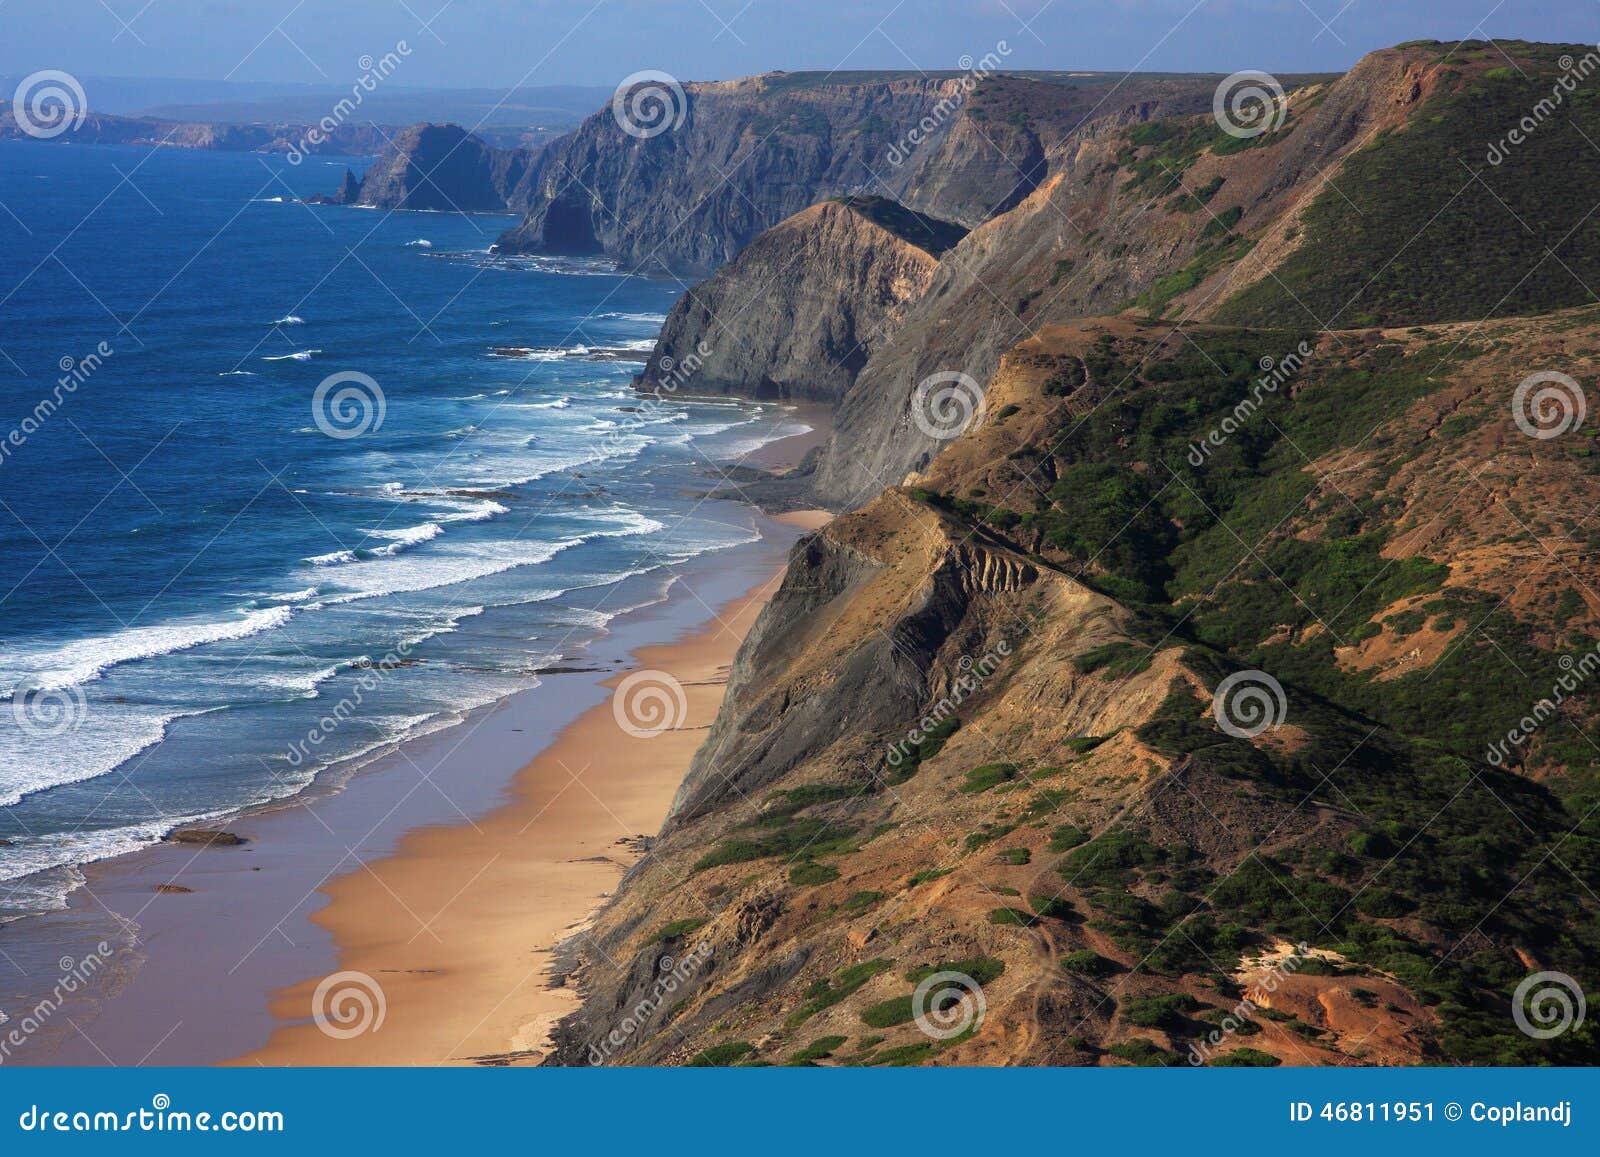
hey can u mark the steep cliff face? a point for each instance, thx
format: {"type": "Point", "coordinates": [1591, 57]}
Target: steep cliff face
{"type": "Point", "coordinates": [443, 168]}
{"type": "Point", "coordinates": [884, 612]}
{"type": "Point", "coordinates": [1157, 214]}
{"type": "Point", "coordinates": [985, 729]}
{"type": "Point", "coordinates": [1183, 678]}
{"type": "Point", "coordinates": [744, 155]}
{"type": "Point", "coordinates": [799, 311]}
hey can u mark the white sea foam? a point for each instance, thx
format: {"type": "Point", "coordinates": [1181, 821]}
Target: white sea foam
{"type": "Point", "coordinates": [655, 318]}
{"type": "Point", "coordinates": [87, 659]}
{"type": "Point", "coordinates": [108, 735]}
{"type": "Point", "coordinates": [536, 353]}
{"type": "Point", "coordinates": [297, 356]}
{"type": "Point", "coordinates": [300, 681]}
{"type": "Point", "coordinates": [403, 537]}
{"type": "Point", "coordinates": [420, 243]}
{"type": "Point", "coordinates": [470, 509]}
{"type": "Point", "coordinates": [290, 319]}
{"type": "Point", "coordinates": [448, 566]}
{"type": "Point", "coordinates": [237, 374]}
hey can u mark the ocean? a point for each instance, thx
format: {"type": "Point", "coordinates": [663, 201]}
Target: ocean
{"type": "Point", "coordinates": [283, 484]}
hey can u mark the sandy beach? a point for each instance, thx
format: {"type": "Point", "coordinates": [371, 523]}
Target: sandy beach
{"type": "Point", "coordinates": [445, 872]}
{"type": "Point", "coordinates": [452, 936]}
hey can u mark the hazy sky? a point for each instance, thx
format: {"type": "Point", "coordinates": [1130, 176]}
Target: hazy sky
{"type": "Point", "coordinates": [469, 43]}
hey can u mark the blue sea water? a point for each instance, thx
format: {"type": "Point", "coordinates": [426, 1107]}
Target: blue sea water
{"type": "Point", "coordinates": [196, 562]}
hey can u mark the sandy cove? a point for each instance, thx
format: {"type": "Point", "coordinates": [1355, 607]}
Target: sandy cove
{"type": "Point", "coordinates": [458, 926]}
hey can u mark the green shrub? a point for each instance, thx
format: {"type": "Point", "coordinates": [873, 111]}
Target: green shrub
{"type": "Point", "coordinates": [1144, 1053]}
{"type": "Point", "coordinates": [888, 1013]}
{"type": "Point", "coordinates": [1245, 1058]}
{"type": "Point", "coordinates": [1163, 1011]}
{"type": "Point", "coordinates": [987, 835]}
{"type": "Point", "coordinates": [678, 928]}
{"type": "Point", "coordinates": [820, 1049]}
{"type": "Point", "coordinates": [1087, 962]}
{"type": "Point", "coordinates": [719, 1056]}
{"type": "Point", "coordinates": [1012, 916]}
{"type": "Point", "coordinates": [1066, 837]}
{"type": "Point", "coordinates": [905, 1054]}
{"type": "Point", "coordinates": [860, 902]}
{"type": "Point", "coordinates": [989, 775]}
{"type": "Point", "coordinates": [1373, 845]}
{"type": "Point", "coordinates": [982, 969]}
{"type": "Point", "coordinates": [809, 837]}
{"type": "Point", "coordinates": [827, 992]}
{"type": "Point", "coordinates": [1052, 907]}
{"type": "Point", "coordinates": [1014, 856]}
{"type": "Point", "coordinates": [810, 874]}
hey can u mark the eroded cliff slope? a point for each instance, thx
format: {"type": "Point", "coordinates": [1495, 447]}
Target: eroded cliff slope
{"type": "Point", "coordinates": [799, 311]}
{"type": "Point", "coordinates": [741, 156]}
{"type": "Point", "coordinates": [1177, 708]}
{"type": "Point", "coordinates": [993, 725]}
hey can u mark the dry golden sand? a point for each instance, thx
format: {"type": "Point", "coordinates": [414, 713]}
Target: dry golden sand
{"type": "Point", "coordinates": [457, 926]}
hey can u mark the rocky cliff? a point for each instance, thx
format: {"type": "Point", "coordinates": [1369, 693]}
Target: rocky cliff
{"type": "Point", "coordinates": [798, 312]}
{"type": "Point", "coordinates": [442, 168]}
{"type": "Point", "coordinates": [985, 728]}
{"type": "Point", "coordinates": [734, 158]}
{"type": "Point", "coordinates": [1159, 215]}
{"type": "Point", "coordinates": [1163, 716]}
{"type": "Point", "coordinates": [104, 129]}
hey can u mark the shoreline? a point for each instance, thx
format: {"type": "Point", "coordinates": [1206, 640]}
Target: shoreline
{"type": "Point", "coordinates": [454, 935]}
{"type": "Point", "coordinates": [202, 940]}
